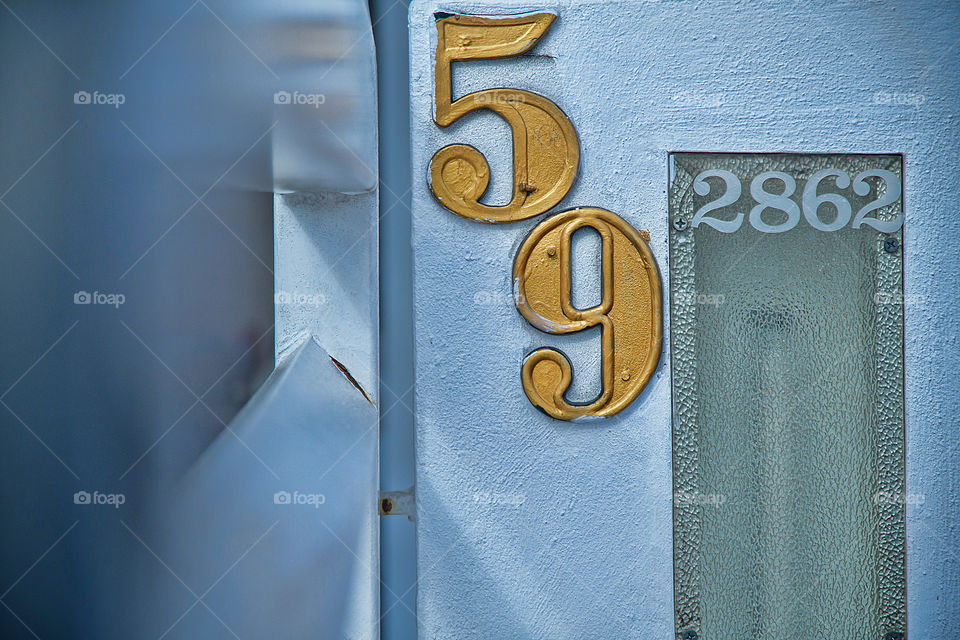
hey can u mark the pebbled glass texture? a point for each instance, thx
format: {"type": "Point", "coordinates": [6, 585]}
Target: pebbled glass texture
{"type": "Point", "coordinates": [787, 358]}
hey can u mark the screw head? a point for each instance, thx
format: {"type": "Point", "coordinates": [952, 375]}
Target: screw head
{"type": "Point", "coordinates": [680, 224]}
{"type": "Point", "coordinates": [891, 245]}
{"type": "Point", "coordinates": [689, 634]}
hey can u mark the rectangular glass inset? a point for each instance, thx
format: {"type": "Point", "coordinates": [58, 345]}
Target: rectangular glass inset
{"type": "Point", "coordinates": [787, 356]}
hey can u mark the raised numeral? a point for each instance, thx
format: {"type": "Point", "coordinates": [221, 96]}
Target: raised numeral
{"type": "Point", "coordinates": [546, 152]}
{"type": "Point", "coordinates": [629, 311]}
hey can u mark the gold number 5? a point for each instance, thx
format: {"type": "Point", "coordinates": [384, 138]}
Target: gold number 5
{"type": "Point", "coordinates": [629, 311]}
{"type": "Point", "coordinates": [546, 152]}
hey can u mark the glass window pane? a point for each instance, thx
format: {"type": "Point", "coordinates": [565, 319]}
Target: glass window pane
{"type": "Point", "coordinates": [787, 357]}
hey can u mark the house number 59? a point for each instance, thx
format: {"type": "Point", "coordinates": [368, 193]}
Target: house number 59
{"type": "Point", "coordinates": [546, 156]}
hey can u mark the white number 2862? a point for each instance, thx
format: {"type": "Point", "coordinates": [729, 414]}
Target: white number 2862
{"type": "Point", "coordinates": [774, 206]}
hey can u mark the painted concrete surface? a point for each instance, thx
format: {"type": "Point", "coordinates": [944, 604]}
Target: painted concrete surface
{"type": "Point", "coordinates": [532, 528]}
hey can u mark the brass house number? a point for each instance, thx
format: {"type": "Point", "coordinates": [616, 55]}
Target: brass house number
{"type": "Point", "coordinates": [546, 157]}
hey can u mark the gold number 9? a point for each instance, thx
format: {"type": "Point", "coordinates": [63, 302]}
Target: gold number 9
{"type": "Point", "coordinates": [546, 152]}
{"type": "Point", "coordinates": [629, 312]}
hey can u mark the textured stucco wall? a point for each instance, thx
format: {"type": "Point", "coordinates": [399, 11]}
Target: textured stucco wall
{"type": "Point", "coordinates": [533, 528]}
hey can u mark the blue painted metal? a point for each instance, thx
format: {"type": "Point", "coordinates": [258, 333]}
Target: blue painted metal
{"type": "Point", "coordinates": [398, 559]}
{"type": "Point", "coordinates": [292, 490]}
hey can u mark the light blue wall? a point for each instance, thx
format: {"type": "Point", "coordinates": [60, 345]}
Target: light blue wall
{"type": "Point", "coordinates": [588, 552]}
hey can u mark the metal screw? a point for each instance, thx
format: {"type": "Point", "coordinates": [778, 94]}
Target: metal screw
{"type": "Point", "coordinates": [894, 635]}
{"type": "Point", "coordinates": [689, 634]}
{"type": "Point", "coordinates": [680, 224]}
{"type": "Point", "coordinates": [891, 245]}
{"type": "Point", "coordinates": [386, 505]}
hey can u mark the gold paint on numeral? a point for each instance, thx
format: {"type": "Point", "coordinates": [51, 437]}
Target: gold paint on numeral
{"type": "Point", "coordinates": [629, 312]}
{"type": "Point", "coordinates": [546, 151]}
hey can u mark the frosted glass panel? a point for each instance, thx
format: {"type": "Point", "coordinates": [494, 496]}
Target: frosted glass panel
{"type": "Point", "coordinates": [787, 356]}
